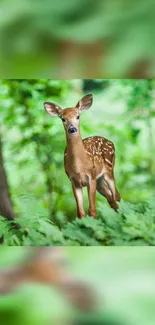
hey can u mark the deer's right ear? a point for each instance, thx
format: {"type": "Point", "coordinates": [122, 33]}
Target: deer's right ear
{"type": "Point", "coordinates": [85, 102]}
{"type": "Point", "coordinates": [52, 109]}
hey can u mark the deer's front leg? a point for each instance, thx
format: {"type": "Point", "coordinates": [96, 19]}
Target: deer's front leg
{"type": "Point", "coordinates": [92, 197]}
{"type": "Point", "coordinates": [78, 193]}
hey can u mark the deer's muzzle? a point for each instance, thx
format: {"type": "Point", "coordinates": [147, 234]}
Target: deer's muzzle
{"type": "Point", "coordinates": [72, 129]}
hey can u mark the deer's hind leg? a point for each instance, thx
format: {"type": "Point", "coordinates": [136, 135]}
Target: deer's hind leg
{"type": "Point", "coordinates": [104, 189]}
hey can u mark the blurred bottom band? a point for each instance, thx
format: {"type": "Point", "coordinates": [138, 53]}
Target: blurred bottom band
{"type": "Point", "coordinates": [77, 285]}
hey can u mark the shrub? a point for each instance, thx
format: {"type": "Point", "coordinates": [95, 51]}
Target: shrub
{"type": "Point", "coordinates": [133, 225]}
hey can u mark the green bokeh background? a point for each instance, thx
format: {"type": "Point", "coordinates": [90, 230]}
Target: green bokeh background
{"type": "Point", "coordinates": [78, 38]}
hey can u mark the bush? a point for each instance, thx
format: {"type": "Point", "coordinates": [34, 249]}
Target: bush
{"type": "Point", "coordinates": [132, 225]}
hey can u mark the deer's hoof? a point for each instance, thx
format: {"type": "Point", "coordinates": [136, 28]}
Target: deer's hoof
{"type": "Point", "coordinates": [81, 216]}
{"type": "Point", "coordinates": [92, 214]}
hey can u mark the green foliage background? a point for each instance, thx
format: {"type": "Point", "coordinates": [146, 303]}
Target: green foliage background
{"type": "Point", "coordinates": [123, 111]}
{"type": "Point", "coordinates": [33, 35]}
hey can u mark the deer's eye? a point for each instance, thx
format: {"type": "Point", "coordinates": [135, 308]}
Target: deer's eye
{"type": "Point", "coordinates": [63, 120]}
{"type": "Point", "coordinates": [78, 117]}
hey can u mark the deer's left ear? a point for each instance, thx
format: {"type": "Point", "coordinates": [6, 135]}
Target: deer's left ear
{"type": "Point", "coordinates": [85, 102]}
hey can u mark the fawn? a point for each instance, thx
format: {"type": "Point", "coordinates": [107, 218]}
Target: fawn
{"type": "Point", "coordinates": [88, 162]}
{"type": "Point", "coordinates": [48, 266]}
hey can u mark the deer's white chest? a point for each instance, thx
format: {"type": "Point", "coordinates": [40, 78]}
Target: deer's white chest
{"type": "Point", "coordinates": [77, 171]}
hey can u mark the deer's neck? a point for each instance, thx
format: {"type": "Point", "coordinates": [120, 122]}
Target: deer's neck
{"type": "Point", "coordinates": [75, 147]}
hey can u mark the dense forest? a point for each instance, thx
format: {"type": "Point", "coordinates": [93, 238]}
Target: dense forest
{"type": "Point", "coordinates": [34, 187]}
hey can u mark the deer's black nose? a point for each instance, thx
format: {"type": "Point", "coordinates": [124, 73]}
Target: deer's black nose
{"type": "Point", "coordinates": [72, 129]}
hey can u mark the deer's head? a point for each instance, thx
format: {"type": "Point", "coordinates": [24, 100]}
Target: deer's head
{"type": "Point", "coordinates": [70, 116]}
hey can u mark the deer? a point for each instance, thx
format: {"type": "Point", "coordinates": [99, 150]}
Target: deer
{"type": "Point", "coordinates": [88, 162]}
{"type": "Point", "coordinates": [48, 266]}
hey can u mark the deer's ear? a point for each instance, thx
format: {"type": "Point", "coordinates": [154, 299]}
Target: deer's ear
{"type": "Point", "coordinates": [52, 109]}
{"type": "Point", "coordinates": [85, 102]}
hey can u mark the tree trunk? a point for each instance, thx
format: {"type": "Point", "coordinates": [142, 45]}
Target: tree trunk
{"type": "Point", "coordinates": [6, 209]}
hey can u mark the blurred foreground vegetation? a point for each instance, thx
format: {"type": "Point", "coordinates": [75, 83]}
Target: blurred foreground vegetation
{"type": "Point", "coordinates": [33, 146]}
{"type": "Point", "coordinates": [123, 279]}
{"type": "Point", "coordinates": [133, 225]}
